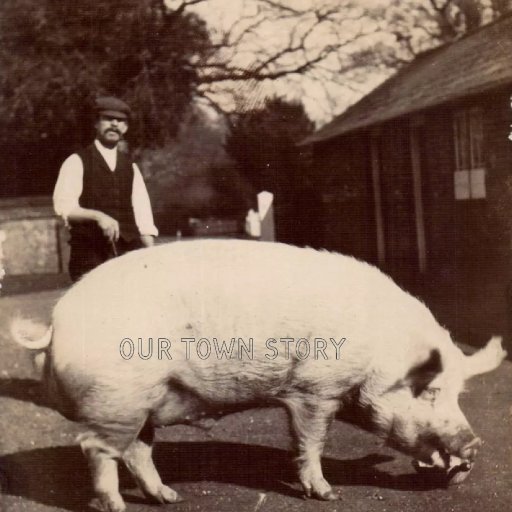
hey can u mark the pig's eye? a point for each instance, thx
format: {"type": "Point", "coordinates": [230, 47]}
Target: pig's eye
{"type": "Point", "coordinates": [430, 394]}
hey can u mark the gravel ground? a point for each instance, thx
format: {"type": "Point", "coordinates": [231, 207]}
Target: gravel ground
{"type": "Point", "coordinates": [242, 463]}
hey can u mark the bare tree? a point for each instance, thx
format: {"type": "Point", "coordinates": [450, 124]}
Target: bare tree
{"type": "Point", "coordinates": [329, 46]}
{"type": "Point", "coordinates": [501, 7]}
{"type": "Point", "coordinates": [277, 41]}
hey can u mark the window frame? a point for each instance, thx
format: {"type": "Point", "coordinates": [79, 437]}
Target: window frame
{"type": "Point", "coordinates": [468, 134]}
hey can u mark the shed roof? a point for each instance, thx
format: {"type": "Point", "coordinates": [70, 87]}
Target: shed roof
{"type": "Point", "coordinates": [476, 63]}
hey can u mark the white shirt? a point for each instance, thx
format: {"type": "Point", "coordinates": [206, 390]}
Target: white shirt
{"type": "Point", "coordinates": [69, 186]}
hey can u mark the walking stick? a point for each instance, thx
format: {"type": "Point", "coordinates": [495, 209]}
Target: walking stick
{"type": "Point", "coordinates": [114, 248]}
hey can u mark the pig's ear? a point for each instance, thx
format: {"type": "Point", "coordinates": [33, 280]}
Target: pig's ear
{"type": "Point", "coordinates": [419, 377]}
{"type": "Point", "coordinates": [486, 359]}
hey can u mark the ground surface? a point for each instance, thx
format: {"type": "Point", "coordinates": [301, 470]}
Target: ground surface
{"type": "Point", "coordinates": [242, 463]}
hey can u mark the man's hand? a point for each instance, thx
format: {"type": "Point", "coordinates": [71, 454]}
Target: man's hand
{"type": "Point", "coordinates": [147, 240]}
{"type": "Point", "coordinates": [109, 226]}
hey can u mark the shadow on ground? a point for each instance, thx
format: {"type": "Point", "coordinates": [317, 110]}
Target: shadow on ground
{"type": "Point", "coordinates": [26, 390]}
{"type": "Point", "coordinates": [30, 283]}
{"type": "Point", "coordinates": [59, 476]}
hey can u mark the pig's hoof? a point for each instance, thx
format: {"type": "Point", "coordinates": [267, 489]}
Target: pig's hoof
{"type": "Point", "coordinates": [168, 495]}
{"type": "Point", "coordinates": [109, 503]}
{"type": "Point", "coordinates": [329, 496]}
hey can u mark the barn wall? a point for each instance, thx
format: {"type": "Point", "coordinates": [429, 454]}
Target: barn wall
{"type": "Point", "coordinates": [476, 228]}
{"type": "Point", "coordinates": [397, 198]}
{"type": "Point", "coordinates": [346, 221]}
{"type": "Point", "coordinates": [454, 229]}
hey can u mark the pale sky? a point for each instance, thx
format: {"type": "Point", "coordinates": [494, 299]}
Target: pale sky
{"type": "Point", "coordinates": [322, 97]}
{"type": "Point", "coordinates": [330, 93]}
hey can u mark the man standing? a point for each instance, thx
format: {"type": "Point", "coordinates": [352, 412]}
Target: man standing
{"type": "Point", "coordinates": [101, 195]}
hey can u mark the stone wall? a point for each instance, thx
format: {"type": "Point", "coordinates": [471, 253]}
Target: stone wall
{"type": "Point", "coordinates": [35, 239]}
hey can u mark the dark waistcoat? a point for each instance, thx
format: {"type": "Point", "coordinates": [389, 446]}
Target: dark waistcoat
{"type": "Point", "coordinates": [106, 191]}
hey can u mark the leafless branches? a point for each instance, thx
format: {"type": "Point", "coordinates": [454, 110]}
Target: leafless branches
{"type": "Point", "coordinates": [321, 41]}
{"type": "Point", "coordinates": [272, 40]}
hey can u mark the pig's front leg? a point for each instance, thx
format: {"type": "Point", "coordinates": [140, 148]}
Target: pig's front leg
{"type": "Point", "coordinates": [138, 459]}
{"type": "Point", "coordinates": [310, 418]}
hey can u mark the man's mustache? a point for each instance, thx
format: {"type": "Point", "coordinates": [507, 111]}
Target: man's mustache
{"type": "Point", "coordinates": [113, 130]}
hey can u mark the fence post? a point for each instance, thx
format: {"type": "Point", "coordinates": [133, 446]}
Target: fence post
{"type": "Point", "coordinates": [266, 212]}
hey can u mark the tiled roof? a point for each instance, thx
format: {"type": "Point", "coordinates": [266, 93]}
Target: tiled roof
{"type": "Point", "coordinates": [476, 63]}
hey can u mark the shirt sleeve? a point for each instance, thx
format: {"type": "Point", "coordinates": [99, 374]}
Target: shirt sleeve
{"type": "Point", "coordinates": [142, 205]}
{"type": "Point", "coordinates": [69, 186]}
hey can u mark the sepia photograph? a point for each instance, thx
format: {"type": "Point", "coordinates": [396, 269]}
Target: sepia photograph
{"type": "Point", "coordinates": [255, 255]}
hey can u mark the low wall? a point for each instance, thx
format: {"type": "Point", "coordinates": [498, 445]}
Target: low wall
{"type": "Point", "coordinates": [35, 239]}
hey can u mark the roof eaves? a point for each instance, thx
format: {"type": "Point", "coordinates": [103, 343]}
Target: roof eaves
{"type": "Point", "coordinates": [329, 131]}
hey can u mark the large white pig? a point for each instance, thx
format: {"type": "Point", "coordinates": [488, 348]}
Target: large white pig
{"type": "Point", "coordinates": [319, 332]}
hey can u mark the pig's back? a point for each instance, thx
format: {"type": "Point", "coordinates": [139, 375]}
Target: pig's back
{"type": "Point", "coordinates": [225, 289]}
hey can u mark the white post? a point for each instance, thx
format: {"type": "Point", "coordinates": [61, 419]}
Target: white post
{"type": "Point", "coordinates": [266, 212]}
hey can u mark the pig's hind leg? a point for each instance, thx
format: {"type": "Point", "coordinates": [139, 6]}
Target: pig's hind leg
{"type": "Point", "coordinates": [104, 446]}
{"type": "Point", "coordinates": [310, 418]}
{"type": "Point", "coordinates": [102, 458]}
{"type": "Point", "coordinates": [139, 461]}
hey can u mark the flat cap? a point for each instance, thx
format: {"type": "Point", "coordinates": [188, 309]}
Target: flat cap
{"type": "Point", "coordinates": [111, 106]}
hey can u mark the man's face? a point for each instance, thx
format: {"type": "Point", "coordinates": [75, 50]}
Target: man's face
{"type": "Point", "coordinates": [110, 129]}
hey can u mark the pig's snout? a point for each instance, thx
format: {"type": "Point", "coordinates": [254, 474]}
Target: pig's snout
{"type": "Point", "coordinates": [469, 451]}
{"type": "Point", "coordinates": [465, 445]}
